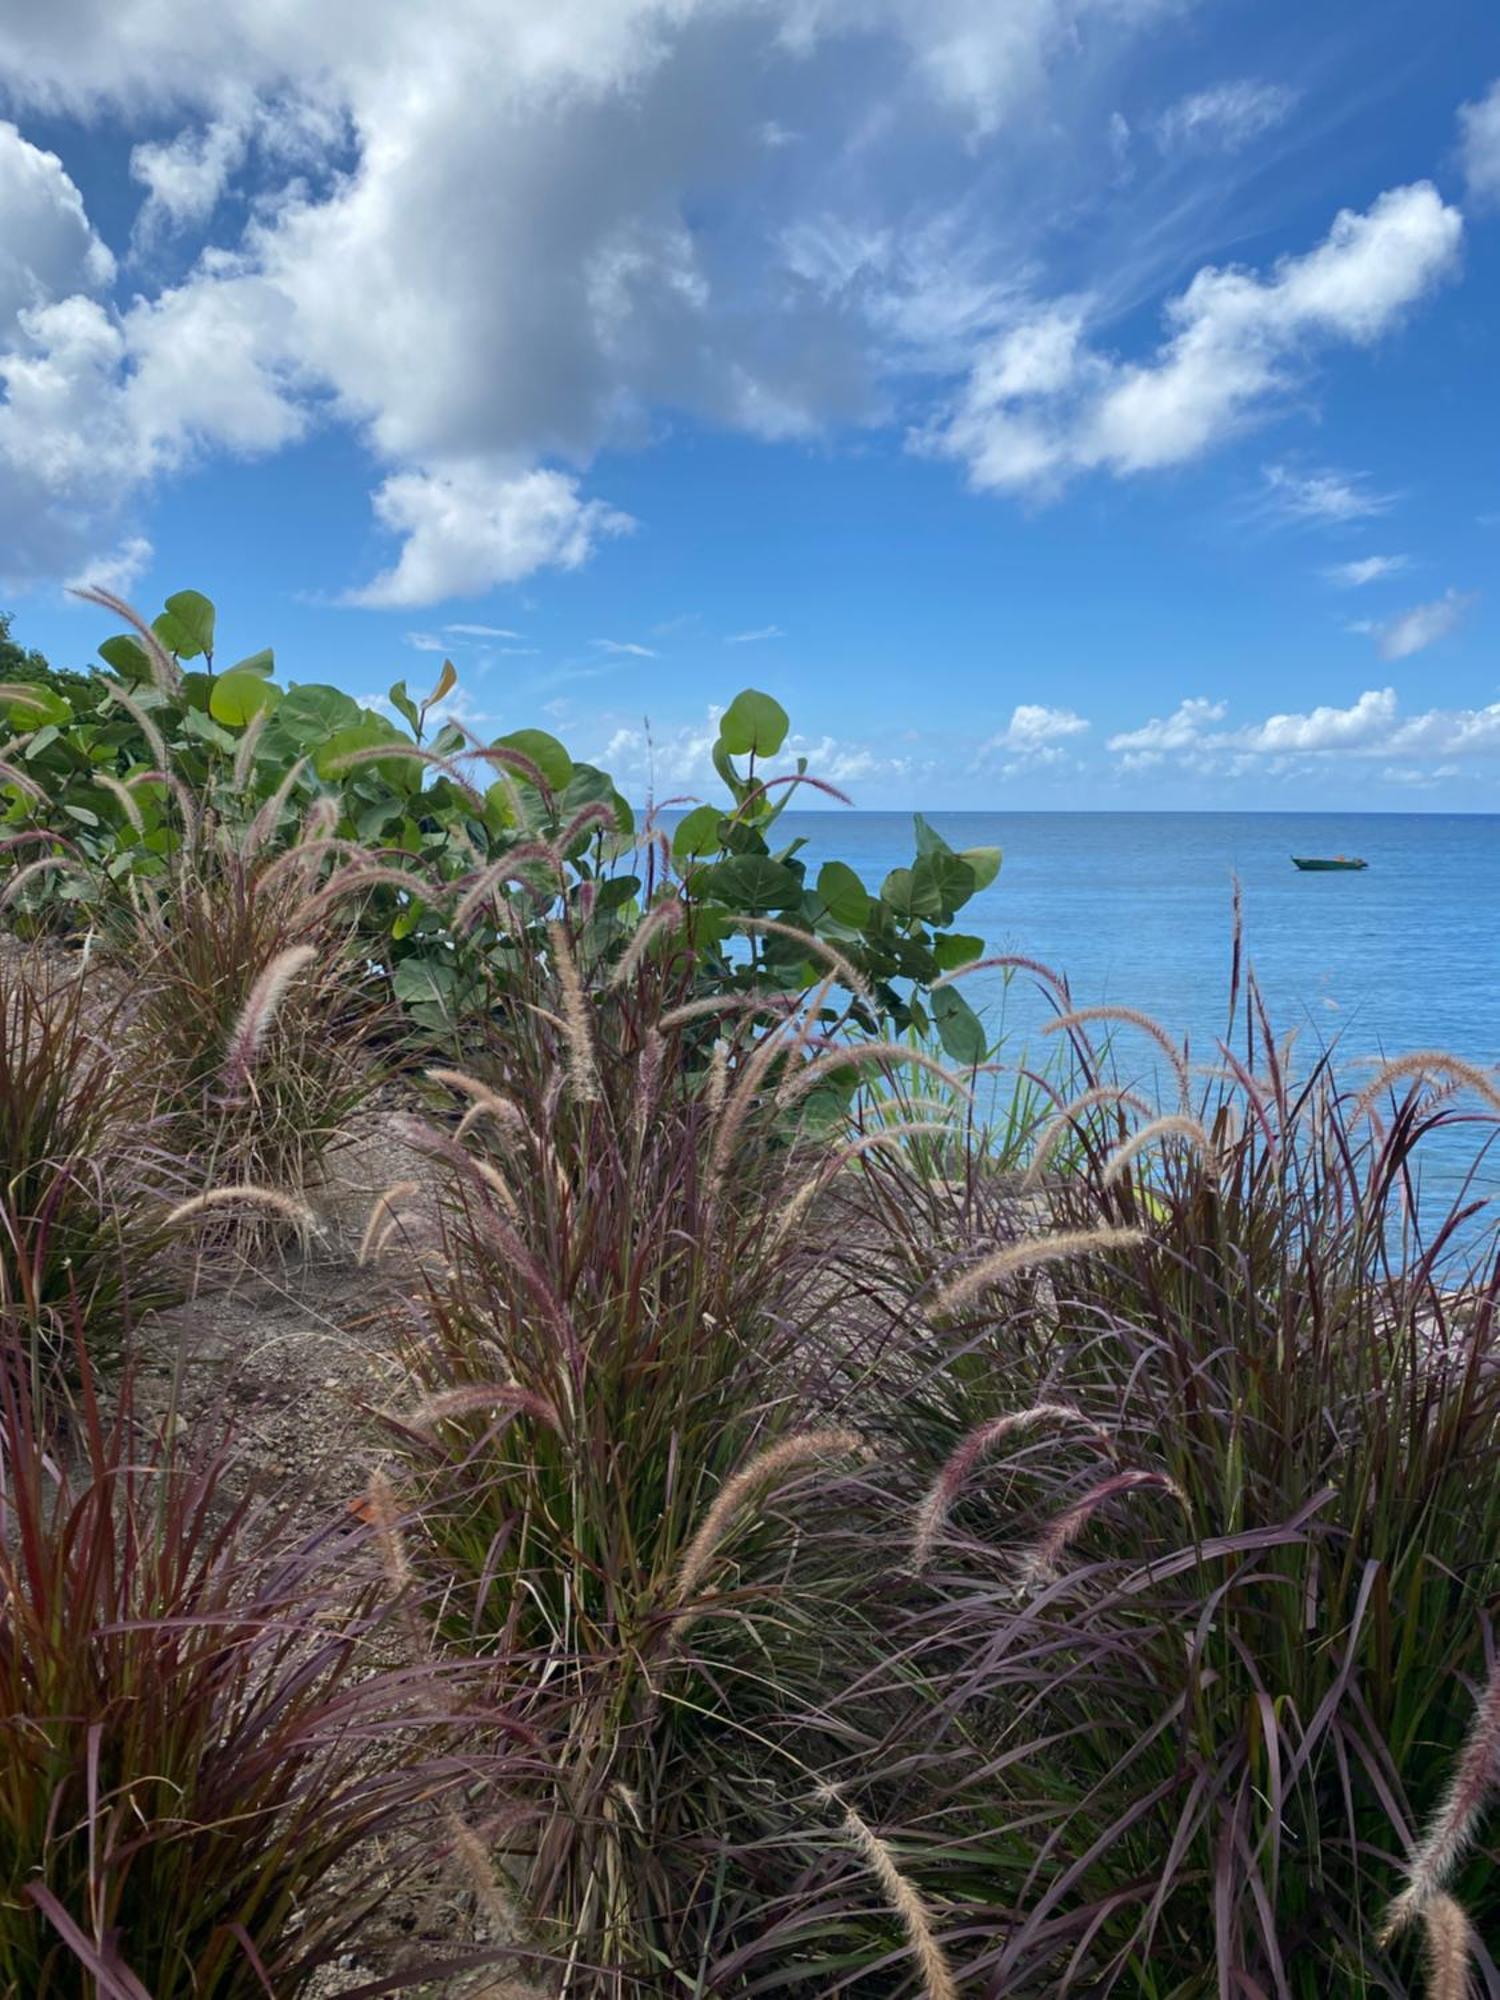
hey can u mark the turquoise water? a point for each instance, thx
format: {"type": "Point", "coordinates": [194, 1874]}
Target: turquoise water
{"type": "Point", "coordinates": [1135, 908]}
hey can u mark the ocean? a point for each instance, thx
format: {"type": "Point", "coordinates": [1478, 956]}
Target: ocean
{"type": "Point", "coordinates": [1136, 908]}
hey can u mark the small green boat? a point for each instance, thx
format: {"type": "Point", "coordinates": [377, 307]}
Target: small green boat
{"type": "Point", "coordinates": [1319, 865]}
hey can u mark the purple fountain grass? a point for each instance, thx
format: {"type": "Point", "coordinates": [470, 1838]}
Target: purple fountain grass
{"type": "Point", "coordinates": [259, 1011]}
{"type": "Point", "coordinates": [583, 1076]}
{"type": "Point", "coordinates": [937, 1503]}
{"type": "Point", "coordinates": [1453, 1826]}
{"type": "Point", "coordinates": [1058, 1127]}
{"type": "Point", "coordinates": [767, 1469]}
{"type": "Point", "coordinates": [1417, 1068]}
{"type": "Point", "coordinates": [904, 1898]}
{"type": "Point", "coordinates": [1175, 1125]}
{"type": "Point", "coordinates": [1030, 1254]}
{"type": "Point", "coordinates": [1080, 1017]}
{"type": "Point", "coordinates": [164, 669]}
{"type": "Point", "coordinates": [245, 1195]}
{"type": "Point", "coordinates": [1039, 1563]}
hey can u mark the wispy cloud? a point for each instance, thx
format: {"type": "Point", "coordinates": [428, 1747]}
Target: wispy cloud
{"type": "Point", "coordinates": [1324, 495]}
{"type": "Point", "coordinates": [1479, 129]}
{"type": "Point", "coordinates": [1369, 727]}
{"type": "Point", "coordinates": [119, 571]}
{"type": "Point", "coordinates": [426, 642]}
{"type": "Point", "coordinates": [482, 631]}
{"type": "Point", "coordinates": [1364, 569]}
{"type": "Point", "coordinates": [1225, 118]}
{"type": "Point", "coordinates": [753, 638]}
{"type": "Point", "coordinates": [1422, 626]}
{"type": "Point", "coordinates": [626, 646]}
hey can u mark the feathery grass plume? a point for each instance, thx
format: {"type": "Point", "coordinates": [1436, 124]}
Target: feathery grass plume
{"type": "Point", "coordinates": [904, 1897]}
{"type": "Point", "coordinates": [164, 669]}
{"type": "Point", "coordinates": [779, 1004]}
{"type": "Point", "coordinates": [823, 1177]}
{"type": "Point", "coordinates": [483, 1101]}
{"type": "Point", "coordinates": [810, 1075]}
{"type": "Point", "coordinates": [1056, 1129]}
{"type": "Point", "coordinates": [478, 1871]}
{"type": "Point", "coordinates": [937, 1503]}
{"type": "Point", "coordinates": [1174, 1126]}
{"type": "Point", "coordinates": [385, 1519]}
{"type": "Point", "coordinates": [249, 743]}
{"type": "Point", "coordinates": [360, 876]}
{"type": "Point", "coordinates": [246, 1195]}
{"type": "Point", "coordinates": [1080, 1017]}
{"type": "Point", "coordinates": [156, 742]}
{"type": "Point", "coordinates": [259, 1011]}
{"type": "Point", "coordinates": [187, 805]}
{"type": "Point", "coordinates": [383, 1210]}
{"type": "Point", "coordinates": [1456, 1820]}
{"type": "Point", "coordinates": [28, 786]}
{"type": "Point", "coordinates": [1448, 1949]}
{"type": "Point", "coordinates": [20, 694]}
{"type": "Point", "coordinates": [716, 1086]}
{"type": "Point", "coordinates": [1028, 1255]}
{"type": "Point", "coordinates": [29, 873]}
{"type": "Point", "coordinates": [667, 916]}
{"type": "Point", "coordinates": [507, 869]}
{"type": "Point", "coordinates": [482, 1396]}
{"type": "Point", "coordinates": [583, 1076]}
{"type": "Point", "coordinates": [125, 798]}
{"type": "Point", "coordinates": [1039, 1562]}
{"type": "Point", "coordinates": [1007, 961]}
{"type": "Point", "coordinates": [263, 826]}
{"type": "Point", "coordinates": [1422, 1064]}
{"type": "Point", "coordinates": [318, 822]}
{"type": "Point", "coordinates": [767, 1468]}
{"type": "Point", "coordinates": [816, 947]}
{"type": "Point", "coordinates": [379, 753]}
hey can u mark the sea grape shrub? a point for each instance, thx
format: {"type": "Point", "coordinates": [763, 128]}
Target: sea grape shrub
{"type": "Point", "coordinates": [103, 773]}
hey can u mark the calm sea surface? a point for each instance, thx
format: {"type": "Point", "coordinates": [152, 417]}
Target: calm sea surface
{"type": "Point", "coordinates": [1135, 908]}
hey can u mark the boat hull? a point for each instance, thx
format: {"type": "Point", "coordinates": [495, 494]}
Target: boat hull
{"type": "Point", "coordinates": [1312, 866]}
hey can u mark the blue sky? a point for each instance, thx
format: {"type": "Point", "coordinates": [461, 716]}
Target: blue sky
{"type": "Point", "coordinates": [1054, 402]}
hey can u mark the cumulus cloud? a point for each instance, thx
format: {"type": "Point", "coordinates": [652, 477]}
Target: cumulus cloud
{"type": "Point", "coordinates": [1224, 118]}
{"type": "Point", "coordinates": [1422, 626]}
{"type": "Point", "coordinates": [1033, 728]}
{"type": "Point", "coordinates": [1364, 569]}
{"type": "Point", "coordinates": [1042, 405]}
{"type": "Point", "coordinates": [118, 571]}
{"type": "Point", "coordinates": [1372, 726]}
{"type": "Point", "coordinates": [48, 250]}
{"type": "Point", "coordinates": [1479, 143]}
{"type": "Point", "coordinates": [469, 528]}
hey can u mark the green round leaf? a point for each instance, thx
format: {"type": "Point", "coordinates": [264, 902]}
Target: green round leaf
{"type": "Point", "coordinates": [186, 627]}
{"type": "Point", "coordinates": [239, 695]}
{"type": "Point", "coordinates": [549, 756]}
{"type": "Point", "coordinates": [697, 833]}
{"type": "Point", "coordinates": [753, 723]}
{"type": "Point", "coordinates": [843, 895]}
{"type": "Point", "coordinates": [959, 1028]}
{"type": "Point", "coordinates": [754, 883]}
{"type": "Point", "coordinates": [127, 656]}
{"type": "Point", "coordinates": [985, 862]}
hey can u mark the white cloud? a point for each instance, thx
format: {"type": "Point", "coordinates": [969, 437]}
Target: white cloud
{"type": "Point", "coordinates": [425, 642]}
{"type": "Point", "coordinates": [469, 528]}
{"type": "Point", "coordinates": [1041, 405]}
{"type": "Point", "coordinates": [753, 638]}
{"type": "Point", "coordinates": [1183, 730]}
{"type": "Point", "coordinates": [1479, 137]}
{"type": "Point", "coordinates": [1413, 631]}
{"type": "Point", "coordinates": [1364, 569]}
{"type": "Point", "coordinates": [625, 646]}
{"type": "Point", "coordinates": [1370, 727]}
{"type": "Point", "coordinates": [118, 571]}
{"type": "Point", "coordinates": [185, 176]}
{"type": "Point", "coordinates": [482, 631]}
{"type": "Point", "coordinates": [1034, 729]}
{"type": "Point", "coordinates": [1326, 495]}
{"type": "Point", "coordinates": [1224, 118]}
{"type": "Point", "coordinates": [48, 249]}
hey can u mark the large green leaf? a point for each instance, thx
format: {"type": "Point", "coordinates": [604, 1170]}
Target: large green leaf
{"type": "Point", "coordinates": [753, 724]}
{"type": "Point", "coordinates": [186, 627]}
{"type": "Point", "coordinates": [959, 1028]}
{"type": "Point", "coordinates": [698, 833]}
{"type": "Point", "coordinates": [127, 656]}
{"type": "Point", "coordinates": [843, 895]}
{"type": "Point", "coordinates": [940, 882]}
{"type": "Point", "coordinates": [548, 755]}
{"type": "Point", "coordinates": [30, 705]}
{"type": "Point", "coordinates": [985, 862]}
{"type": "Point", "coordinates": [240, 695]}
{"type": "Point", "coordinates": [754, 883]}
{"type": "Point", "coordinates": [403, 703]}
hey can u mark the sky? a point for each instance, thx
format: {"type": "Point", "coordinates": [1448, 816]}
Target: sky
{"type": "Point", "coordinates": [1054, 403]}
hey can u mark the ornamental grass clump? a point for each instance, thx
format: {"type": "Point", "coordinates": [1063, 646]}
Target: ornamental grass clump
{"type": "Point", "coordinates": [83, 1171]}
{"type": "Point", "coordinates": [1209, 1710]}
{"type": "Point", "coordinates": [212, 1781]}
{"type": "Point", "coordinates": [626, 1474]}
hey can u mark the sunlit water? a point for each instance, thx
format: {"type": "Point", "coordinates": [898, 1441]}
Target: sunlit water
{"type": "Point", "coordinates": [1135, 908]}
